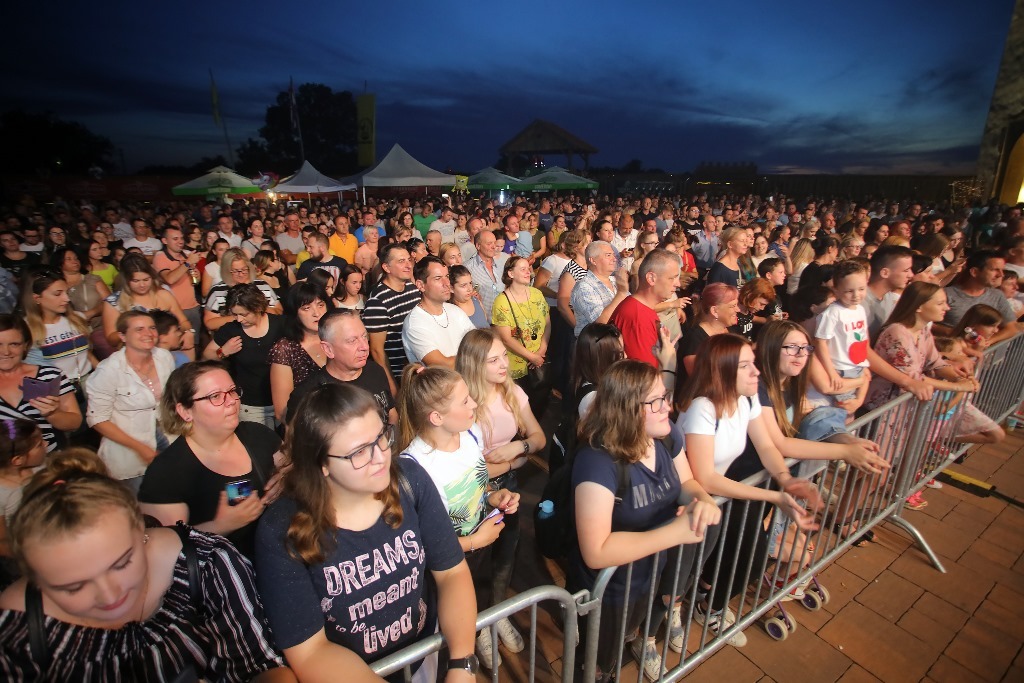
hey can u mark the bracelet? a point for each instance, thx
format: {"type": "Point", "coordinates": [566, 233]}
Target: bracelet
{"type": "Point", "coordinates": [509, 467]}
{"type": "Point", "coordinates": [526, 446]}
{"type": "Point", "coordinates": [470, 545]}
{"type": "Point", "coordinates": [671, 372]}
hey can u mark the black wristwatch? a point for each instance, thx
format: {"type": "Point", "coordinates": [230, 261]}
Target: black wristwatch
{"type": "Point", "coordinates": [470, 664]}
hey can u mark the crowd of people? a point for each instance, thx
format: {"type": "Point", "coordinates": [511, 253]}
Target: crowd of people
{"type": "Point", "coordinates": [236, 436]}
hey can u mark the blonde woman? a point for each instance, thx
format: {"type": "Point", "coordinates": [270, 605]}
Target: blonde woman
{"type": "Point", "coordinates": [502, 412]}
{"type": "Point", "coordinates": [235, 269]}
{"type": "Point", "coordinates": [801, 255]}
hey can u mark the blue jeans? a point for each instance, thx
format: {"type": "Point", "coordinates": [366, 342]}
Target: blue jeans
{"type": "Point", "coordinates": [261, 414]}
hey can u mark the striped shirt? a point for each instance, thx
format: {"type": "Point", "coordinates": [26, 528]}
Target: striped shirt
{"type": "Point", "coordinates": [25, 410]}
{"type": "Point", "coordinates": [225, 637]}
{"type": "Point", "coordinates": [386, 311]}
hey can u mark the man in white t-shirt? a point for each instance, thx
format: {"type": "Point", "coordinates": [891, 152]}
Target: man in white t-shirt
{"type": "Point", "coordinates": [143, 239]}
{"type": "Point", "coordinates": [433, 330]}
{"type": "Point", "coordinates": [226, 231]}
{"type": "Point", "coordinates": [33, 240]}
{"type": "Point", "coordinates": [445, 225]}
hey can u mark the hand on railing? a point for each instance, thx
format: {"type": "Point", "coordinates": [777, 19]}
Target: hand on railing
{"type": "Point", "coordinates": [863, 455]}
{"type": "Point", "coordinates": [801, 489]}
{"type": "Point", "coordinates": [703, 512]}
{"type": "Point", "coordinates": [798, 513]}
{"type": "Point", "coordinates": [920, 389]}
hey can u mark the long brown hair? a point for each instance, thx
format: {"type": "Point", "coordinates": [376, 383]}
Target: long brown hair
{"type": "Point", "coordinates": [471, 363]}
{"type": "Point", "coordinates": [615, 421]}
{"type": "Point", "coordinates": [321, 414]}
{"type": "Point", "coordinates": [714, 374]}
{"type": "Point", "coordinates": [913, 297]}
{"type": "Point", "coordinates": [782, 390]}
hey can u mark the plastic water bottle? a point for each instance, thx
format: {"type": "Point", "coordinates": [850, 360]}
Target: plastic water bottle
{"type": "Point", "coordinates": [547, 508]}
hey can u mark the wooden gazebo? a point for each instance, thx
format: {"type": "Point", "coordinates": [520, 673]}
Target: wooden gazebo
{"type": "Point", "coordinates": [543, 137]}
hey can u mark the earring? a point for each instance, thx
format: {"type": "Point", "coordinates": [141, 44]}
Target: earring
{"type": "Point", "coordinates": [145, 539]}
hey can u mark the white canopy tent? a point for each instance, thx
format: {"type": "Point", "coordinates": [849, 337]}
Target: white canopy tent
{"type": "Point", "coordinates": [399, 169]}
{"type": "Point", "coordinates": [310, 181]}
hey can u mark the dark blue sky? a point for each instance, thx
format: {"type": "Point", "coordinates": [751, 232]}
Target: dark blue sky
{"type": "Point", "coordinates": [793, 85]}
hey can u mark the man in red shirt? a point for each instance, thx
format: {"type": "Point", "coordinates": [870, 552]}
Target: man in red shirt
{"type": "Point", "coordinates": [637, 316]}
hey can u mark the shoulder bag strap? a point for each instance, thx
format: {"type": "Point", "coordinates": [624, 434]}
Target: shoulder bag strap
{"type": "Point", "coordinates": [192, 562]}
{"type": "Point", "coordinates": [514, 318]}
{"type": "Point", "coordinates": [36, 629]}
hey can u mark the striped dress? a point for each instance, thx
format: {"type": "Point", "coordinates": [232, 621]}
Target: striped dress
{"type": "Point", "coordinates": [225, 638]}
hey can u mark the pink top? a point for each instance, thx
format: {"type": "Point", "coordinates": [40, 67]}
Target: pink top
{"type": "Point", "coordinates": [503, 424]}
{"type": "Point", "coordinates": [911, 354]}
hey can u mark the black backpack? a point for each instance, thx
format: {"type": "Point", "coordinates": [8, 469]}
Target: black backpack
{"type": "Point", "coordinates": [563, 441]}
{"type": "Point", "coordinates": [556, 533]}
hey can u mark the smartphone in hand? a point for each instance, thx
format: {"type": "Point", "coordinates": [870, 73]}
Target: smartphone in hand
{"type": "Point", "coordinates": [238, 491]}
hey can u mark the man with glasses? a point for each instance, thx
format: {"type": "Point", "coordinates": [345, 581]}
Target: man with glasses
{"type": "Point", "coordinates": [386, 309]}
{"type": "Point", "coordinates": [347, 347]}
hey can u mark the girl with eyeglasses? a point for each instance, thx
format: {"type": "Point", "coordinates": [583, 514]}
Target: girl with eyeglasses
{"type": "Point", "coordinates": [348, 502]}
{"type": "Point", "coordinates": [627, 432]}
{"type": "Point", "coordinates": [437, 429]}
{"type": "Point", "coordinates": [718, 410]}
{"type": "Point", "coordinates": [220, 473]}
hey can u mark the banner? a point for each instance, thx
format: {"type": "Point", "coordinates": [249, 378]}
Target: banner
{"type": "Point", "coordinates": [366, 129]}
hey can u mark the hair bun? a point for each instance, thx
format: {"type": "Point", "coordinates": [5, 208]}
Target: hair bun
{"type": "Point", "coordinates": [68, 463]}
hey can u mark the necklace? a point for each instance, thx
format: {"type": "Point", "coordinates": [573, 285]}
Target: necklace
{"type": "Point", "coordinates": [145, 586]}
{"type": "Point", "coordinates": [435, 317]}
{"type": "Point", "coordinates": [146, 376]}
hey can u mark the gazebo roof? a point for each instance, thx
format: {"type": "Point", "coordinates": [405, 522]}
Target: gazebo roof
{"type": "Point", "coordinates": [544, 137]}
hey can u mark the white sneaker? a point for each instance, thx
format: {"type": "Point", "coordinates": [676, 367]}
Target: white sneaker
{"type": "Point", "coordinates": [509, 636]}
{"type": "Point", "coordinates": [716, 626]}
{"type": "Point", "coordinates": [485, 650]}
{"type": "Point", "coordinates": [675, 629]}
{"type": "Point", "coordinates": [649, 659]}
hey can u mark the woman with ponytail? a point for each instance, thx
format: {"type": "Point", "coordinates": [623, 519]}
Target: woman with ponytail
{"type": "Point", "coordinates": [437, 429]}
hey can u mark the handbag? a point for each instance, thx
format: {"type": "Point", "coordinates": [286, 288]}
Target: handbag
{"type": "Point", "coordinates": [537, 377]}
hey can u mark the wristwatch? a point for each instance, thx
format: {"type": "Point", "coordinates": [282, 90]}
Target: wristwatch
{"type": "Point", "coordinates": [469, 664]}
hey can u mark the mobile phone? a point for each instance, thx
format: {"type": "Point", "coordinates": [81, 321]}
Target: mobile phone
{"type": "Point", "coordinates": [238, 491]}
{"type": "Point", "coordinates": [496, 514]}
{"type": "Point", "coordinates": [32, 388]}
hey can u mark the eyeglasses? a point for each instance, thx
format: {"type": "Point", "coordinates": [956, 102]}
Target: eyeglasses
{"type": "Point", "coordinates": [217, 398]}
{"type": "Point", "coordinates": [363, 456]}
{"type": "Point", "coordinates": [658, 404]}
{"type": "Point", "coordinates": [797, 350]}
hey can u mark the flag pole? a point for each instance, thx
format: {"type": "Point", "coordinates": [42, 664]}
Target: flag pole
{"type": "Point", "coordinates": [295, 118]}
{"type": "Point", "coordinates": [219, 120]}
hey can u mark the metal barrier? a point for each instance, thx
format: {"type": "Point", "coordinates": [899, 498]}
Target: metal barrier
{"type": "Point", "coordinates": [757, 565]}
{"type": "Point", "coordinates": [529, 599]}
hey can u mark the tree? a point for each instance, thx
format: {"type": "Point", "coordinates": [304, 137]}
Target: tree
{"type": "Point", "coordinates": [46, 144]}
{"type": "Point", "coordinates": [328, 123]}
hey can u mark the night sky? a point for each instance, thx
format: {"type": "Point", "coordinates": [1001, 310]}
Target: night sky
{"type": "Point", "coordinates": [793, 85]}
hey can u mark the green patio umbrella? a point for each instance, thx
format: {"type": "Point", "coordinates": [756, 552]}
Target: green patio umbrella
{"type": "Point", "coordinates": [491, 179]}
{"type": "Point", "coordinates": [555, 178]}
{"type": "Point", "coordinates": [221, 180]}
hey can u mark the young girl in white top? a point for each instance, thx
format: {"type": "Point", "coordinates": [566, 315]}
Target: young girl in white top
{"type": "Point", "coordinates": [437, 429]}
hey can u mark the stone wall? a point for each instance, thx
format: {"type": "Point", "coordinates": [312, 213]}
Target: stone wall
{"type": "Point", "coordinates": [1007, 108]}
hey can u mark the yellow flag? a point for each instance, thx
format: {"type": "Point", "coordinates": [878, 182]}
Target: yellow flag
{"type": "Point", "coordinates": [366, 133]}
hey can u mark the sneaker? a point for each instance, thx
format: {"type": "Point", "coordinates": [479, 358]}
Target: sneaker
{"type": "Point", "coordinates": [934, 484]}
{"type": "Point", "coordinates": [509, 636]}
{"type": "Point", "coordinates": [797, 592]}
{"type": "Point", "coordinates": [485, 650]}
{"type": "Point", "coordinates": [715, 624]}
{"type": "Point", "coordinates": [675, 629]}
{"type": "Point", "coordinates": [649, 659]}
{"type": "Point", "coordinates": [916, 502]}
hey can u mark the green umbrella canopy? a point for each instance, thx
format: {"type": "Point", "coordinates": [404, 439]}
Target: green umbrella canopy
{"type": "Point", "coordinates": [555, 178]}
{"type": "Point", "coordinates": [491, 179]}
{"type": "Point", "coordinates": [220, 180]}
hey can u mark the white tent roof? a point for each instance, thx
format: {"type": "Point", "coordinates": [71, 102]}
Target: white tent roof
{"type": "Point", "coordinates": [310, 180]}
{"type": "Point", "coordinates": [400, 169]}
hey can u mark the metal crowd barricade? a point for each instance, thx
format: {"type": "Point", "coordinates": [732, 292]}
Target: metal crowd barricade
{"type": "Point", "coordinates": [529, 599]}
{"type": "Point", "coordinates": [760, 559]}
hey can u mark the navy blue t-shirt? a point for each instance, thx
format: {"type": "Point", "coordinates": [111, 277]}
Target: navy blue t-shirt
{"type": "Point", "coordinates": [371, 595]}
{"type": "Point", "coordinates": [651, 501]}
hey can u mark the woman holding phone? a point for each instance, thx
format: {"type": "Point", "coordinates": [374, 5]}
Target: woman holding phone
{"type": "Point", "coordinates": [220, 473]}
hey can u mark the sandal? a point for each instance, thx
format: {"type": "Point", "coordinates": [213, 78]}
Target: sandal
{"type": "Point", "coordinates": [860, 540]}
